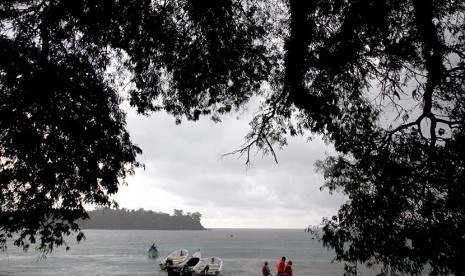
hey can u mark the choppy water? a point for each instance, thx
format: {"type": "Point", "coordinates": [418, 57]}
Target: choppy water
{"type": "Point", "coordinates": [123, 252]}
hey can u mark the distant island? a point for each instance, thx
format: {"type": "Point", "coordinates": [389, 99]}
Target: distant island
{"type": "Point", "coordinates": [141, 219]}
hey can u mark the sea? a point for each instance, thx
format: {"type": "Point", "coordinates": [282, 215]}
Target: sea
{"type": "Point", "coordinates": [124, 252]}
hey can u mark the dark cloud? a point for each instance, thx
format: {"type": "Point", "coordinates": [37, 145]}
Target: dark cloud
{"type": "Point", "coordinates": [185, 170]}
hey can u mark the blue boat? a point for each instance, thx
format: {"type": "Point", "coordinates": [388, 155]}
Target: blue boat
{"type": "Point", "coordinates": [152, 251]}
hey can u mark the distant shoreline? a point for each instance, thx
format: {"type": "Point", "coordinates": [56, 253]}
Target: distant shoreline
{"type": "Point", "coordinates": [124, 219]}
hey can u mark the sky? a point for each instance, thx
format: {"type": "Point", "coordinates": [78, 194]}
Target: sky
{"type": "Point", "coordinates": [184, 169]}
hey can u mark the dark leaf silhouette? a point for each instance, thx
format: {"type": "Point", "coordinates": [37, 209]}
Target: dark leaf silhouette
{"type": "Point", "coordinates": [382, 81]}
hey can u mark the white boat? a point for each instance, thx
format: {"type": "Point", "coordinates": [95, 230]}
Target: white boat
{"type": "Point", "coordinates": [174, 259]}
{"type": "Point", "coordinates": [186, 268]}
{"type": "Point", "coordinates": [214, 264]}
{"type": "Point", "coordinates": [193, 260]}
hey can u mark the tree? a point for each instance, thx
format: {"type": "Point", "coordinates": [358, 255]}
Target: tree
{"type": "Point", "coordinates": [403, 179]}
{"type": "Point", "coordinates": [196, 216]}
{"type": "Point", "coordinates": [178, 213]}
{"type": "Point", "coordinates": [382, 81]}
{"type": "Point", "coordinates": [63, 137]}
{"type": "Point", "coordinates": [63, 142]}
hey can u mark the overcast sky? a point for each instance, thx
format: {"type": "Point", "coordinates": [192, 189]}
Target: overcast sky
{"type": "Point", "coordinates": [184, 170]}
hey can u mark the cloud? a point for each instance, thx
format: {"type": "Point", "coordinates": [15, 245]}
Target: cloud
{"type": "Point", "coordinates": [185, 170]}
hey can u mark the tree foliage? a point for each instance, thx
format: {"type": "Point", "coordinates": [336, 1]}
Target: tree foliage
{"type": "Point", "coordinates": [382, 81]}
{"type": "Point", "coordinates": [403, 177]}
{"type": "Point", "coordinates": [63, 137]}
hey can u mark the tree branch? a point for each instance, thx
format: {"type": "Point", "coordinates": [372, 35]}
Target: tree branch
{"type": "Point", "coordinates": [433, 55]}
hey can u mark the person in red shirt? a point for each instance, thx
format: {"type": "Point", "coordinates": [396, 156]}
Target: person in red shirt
{"type": "Point", "coordinates": [266, 270]}
{"type": "Point", "coordinates": [288, 269]}
{"type": "Point", "coordinates": [280, 265]}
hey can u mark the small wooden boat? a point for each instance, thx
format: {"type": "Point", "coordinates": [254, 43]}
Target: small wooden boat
{"type": "Point", "coordinates": [174, 259]}
{"type": "Point", "coordinates": [209, 266]}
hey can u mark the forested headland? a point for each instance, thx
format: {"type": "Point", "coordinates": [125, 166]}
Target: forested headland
{"type": "Point", "coordinates": [142, 219]}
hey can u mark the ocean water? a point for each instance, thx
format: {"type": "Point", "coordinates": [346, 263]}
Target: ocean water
{"type": "Point", "coordinates": [124, 252]}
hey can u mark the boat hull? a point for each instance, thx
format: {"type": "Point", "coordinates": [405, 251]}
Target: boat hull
{"type": "Point", "coordinates": [174, 260]}
{"type": "Point", "coordinates": [215, 265]}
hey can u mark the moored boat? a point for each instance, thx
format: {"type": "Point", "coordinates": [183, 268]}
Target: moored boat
{"type": "Point", "coordinates": [186, 268]}
{"type": "Point", "coordinates": [193, 260]}
{"type": "Point", "coordinates": [209, 266]}
{"type": "Point", "coordinates": [175, 259]}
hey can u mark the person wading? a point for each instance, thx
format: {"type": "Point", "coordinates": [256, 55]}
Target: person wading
{"type": "Point", "coordinates": [266, 270]}
{"type": "Point", "coordinates": [280, 265]}
{"type": "Point", "coordinates": [288, 269]}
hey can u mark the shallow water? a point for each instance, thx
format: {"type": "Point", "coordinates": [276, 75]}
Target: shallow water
{"type": "Point", "coordinates": [124, 252]}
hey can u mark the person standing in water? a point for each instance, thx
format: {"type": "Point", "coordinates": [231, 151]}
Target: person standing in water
{"type": "Point", "coordinates": [280, 265]}
{"type": "Point", "coordinates": [266, 270]}
{"type": "Point", "coordinates": [288, 269]}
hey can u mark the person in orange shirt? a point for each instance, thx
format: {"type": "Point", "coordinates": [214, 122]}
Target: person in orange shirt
{"type": "Point", "coordinates": [288, 269]}
{"type": "Point", "coordinates": [280, 265]}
